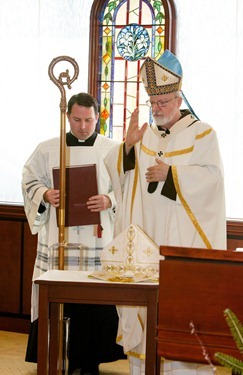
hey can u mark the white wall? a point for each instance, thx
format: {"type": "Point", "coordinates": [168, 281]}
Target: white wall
{"type": "Point", "coordinates": [32, 33]}
{"type": "Point", "coordinates": [210, 48]}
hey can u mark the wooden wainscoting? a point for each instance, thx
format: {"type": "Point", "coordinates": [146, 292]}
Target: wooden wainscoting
{"type": "Point", "coordinates": [234, 234]}
{"type": "Point", "coordinates": [17, 256]}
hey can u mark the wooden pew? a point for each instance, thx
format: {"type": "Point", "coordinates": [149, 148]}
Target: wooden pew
{"type": "Point", "coordinates": [197, 285]}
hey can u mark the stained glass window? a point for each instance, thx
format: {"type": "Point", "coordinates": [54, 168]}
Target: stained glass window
{"type": "Point", "coordinates": [129, 31]}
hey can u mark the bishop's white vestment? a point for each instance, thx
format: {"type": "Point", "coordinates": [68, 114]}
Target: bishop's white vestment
{"type": "Point", "coordinates": [194, 218]}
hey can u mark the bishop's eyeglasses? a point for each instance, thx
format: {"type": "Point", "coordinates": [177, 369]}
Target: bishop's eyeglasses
{"type": "Point", "coordinates": [160, 103]}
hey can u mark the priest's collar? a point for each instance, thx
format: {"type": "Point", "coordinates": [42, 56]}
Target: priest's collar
{"type": "Point", "coordinates": [73, 141]}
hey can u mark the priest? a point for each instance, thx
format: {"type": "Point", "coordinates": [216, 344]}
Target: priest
{"type": "Point", "coordinates": [92, 328]}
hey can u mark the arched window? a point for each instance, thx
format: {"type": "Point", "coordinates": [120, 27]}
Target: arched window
{"type": "Point", "coordinates": [122, 34]}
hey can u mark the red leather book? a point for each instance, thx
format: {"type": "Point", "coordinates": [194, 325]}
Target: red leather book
{"type": "Point", "coordinates": [81, 184]}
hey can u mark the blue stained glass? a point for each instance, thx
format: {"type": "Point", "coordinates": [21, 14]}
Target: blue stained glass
{"type": "Point", "coordinates": [133, 42]}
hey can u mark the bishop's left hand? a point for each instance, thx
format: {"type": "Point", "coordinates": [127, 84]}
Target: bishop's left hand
{"type": "Point", "coordinates": [157, 172]}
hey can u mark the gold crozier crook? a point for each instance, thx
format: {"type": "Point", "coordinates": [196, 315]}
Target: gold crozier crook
{"type": "Point", "coordinates": [63, 80]}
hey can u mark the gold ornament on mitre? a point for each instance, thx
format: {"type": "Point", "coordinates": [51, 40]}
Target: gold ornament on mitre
{"type": "Point", "coordinates": [131, 253]}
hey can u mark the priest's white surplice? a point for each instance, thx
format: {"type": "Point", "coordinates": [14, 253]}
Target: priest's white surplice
{"type": "Point", "coordinates": [37, 178]}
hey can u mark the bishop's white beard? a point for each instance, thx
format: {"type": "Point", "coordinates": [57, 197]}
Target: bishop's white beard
{"type": "Point", "coordinates": [161, 120]}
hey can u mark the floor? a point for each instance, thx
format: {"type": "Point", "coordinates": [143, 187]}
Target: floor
{"type": "Point", "coordinates": [12, 354]}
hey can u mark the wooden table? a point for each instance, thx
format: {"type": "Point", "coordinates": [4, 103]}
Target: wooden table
{"type": "Point", "coordinates": [57, 287]}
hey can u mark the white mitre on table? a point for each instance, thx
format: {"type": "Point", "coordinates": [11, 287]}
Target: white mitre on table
{"type": "Point", "coordinates": [131, 252]}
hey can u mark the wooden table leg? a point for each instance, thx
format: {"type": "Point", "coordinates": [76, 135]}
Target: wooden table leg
{"type": "Point", "coordinates": [54, 338]}
{"type": "Point", "coordinates": [42, 354]}
{"type": "Point", "coordinates": [151, 346]}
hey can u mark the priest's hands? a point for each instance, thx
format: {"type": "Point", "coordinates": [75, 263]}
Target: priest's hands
{"type": "Point", "coordinates": [134, 134]}
{"type": "Point", "coordinates": [98, 203]}
{"type": "Point", "coordinates": [95, 203]}
{"type": "Point", "coordinates": [157, 172]}
{"type": "Point", "coordinates": [52, 196]}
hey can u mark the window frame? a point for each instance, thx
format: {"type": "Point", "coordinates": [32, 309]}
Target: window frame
{"type": "Point", "coordinates": [94, 46]}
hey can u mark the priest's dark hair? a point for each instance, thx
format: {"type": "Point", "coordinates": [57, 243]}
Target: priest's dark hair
{"type": "Point", "coordinates": [85, 100]}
